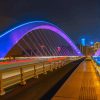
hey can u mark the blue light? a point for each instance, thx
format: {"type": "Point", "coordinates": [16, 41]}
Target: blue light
{"type": "Point", "coordinates": [7, 32]}
{"type": "Point", "coordinates": [91, 43]}
{"type": "Point", "coordinates": [97, 60]}
{"type": "Point", "coordinates": [11, 37]}
{"type": "Point", "coordinates": [83, 41]}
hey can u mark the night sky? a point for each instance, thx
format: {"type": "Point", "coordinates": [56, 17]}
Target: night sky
{"type": "Point", "coordinates": [78, 18]}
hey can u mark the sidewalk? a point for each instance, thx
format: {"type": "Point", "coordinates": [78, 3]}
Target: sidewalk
{"type": "Point", "coordinates": [83, 84]}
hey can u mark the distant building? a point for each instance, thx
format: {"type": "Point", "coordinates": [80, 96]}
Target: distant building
{"type": "Point", "coordinates": [96, 46]}
{"type": "Point", "coordinates": [87, 50]}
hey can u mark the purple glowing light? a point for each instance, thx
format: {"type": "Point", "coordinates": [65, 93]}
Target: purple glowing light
{"type": "Point", "coordinates": [11, 37]}
{"type": "Point", "coordinates": [97, 53]}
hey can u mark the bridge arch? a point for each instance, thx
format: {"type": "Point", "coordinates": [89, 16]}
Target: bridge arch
{"type": "Point", "coordinates": [11, 37]}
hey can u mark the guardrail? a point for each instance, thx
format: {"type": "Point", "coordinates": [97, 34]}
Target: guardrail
{"type": "Point", "coordinates": [96, 66]}
{"type": "Point", "coordinates": [19, 75]}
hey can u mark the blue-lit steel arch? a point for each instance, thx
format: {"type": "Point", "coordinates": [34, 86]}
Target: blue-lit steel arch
{"type": "Point", "coordinates": [11, 37]}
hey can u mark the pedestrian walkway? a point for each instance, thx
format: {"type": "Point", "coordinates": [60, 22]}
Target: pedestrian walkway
{"type": "Point", "coordinates": [83, 84]}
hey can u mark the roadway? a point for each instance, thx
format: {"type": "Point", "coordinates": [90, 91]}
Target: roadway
{"type": "Point", "coordinates": [36, 88]}
{"type": "Point", "coordinates": [24, 62]}
{"type": "Point", "coordinates": [83, 84]}
{"type": "Point", "coordinates": [21, 61]}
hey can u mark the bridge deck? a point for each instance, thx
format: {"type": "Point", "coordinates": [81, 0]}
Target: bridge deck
{"type": "Point", "coordinates": [83, 84]}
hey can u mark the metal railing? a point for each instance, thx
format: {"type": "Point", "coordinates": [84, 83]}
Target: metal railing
{"type": "Point", "coordinates": [19, 75]}
{"type": "Point", "coordinates": [97, 67]}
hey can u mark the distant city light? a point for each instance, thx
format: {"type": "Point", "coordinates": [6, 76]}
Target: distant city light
{"type": "Point", "coordinates": [83, 41]}
{"type": "Point", "coordinates": [91, 43]}
{"type": "Point", "coordinates": [97, 59]}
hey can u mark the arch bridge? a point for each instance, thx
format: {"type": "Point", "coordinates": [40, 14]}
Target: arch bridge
{"type": "Point", "coordinates": [37, 38]}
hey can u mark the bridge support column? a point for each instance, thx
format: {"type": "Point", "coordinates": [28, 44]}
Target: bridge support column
{"type": "Point", "coordinates": [23, 82]}
{"type": "Point", "coordinates": [2, 92]}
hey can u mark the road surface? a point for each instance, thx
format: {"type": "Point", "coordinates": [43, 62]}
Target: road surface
{"type": "Point", "coordinates": [36, 88]}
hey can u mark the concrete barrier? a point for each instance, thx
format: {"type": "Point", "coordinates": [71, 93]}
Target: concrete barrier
{"type": "Point", "coordinates": [19, 74]}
